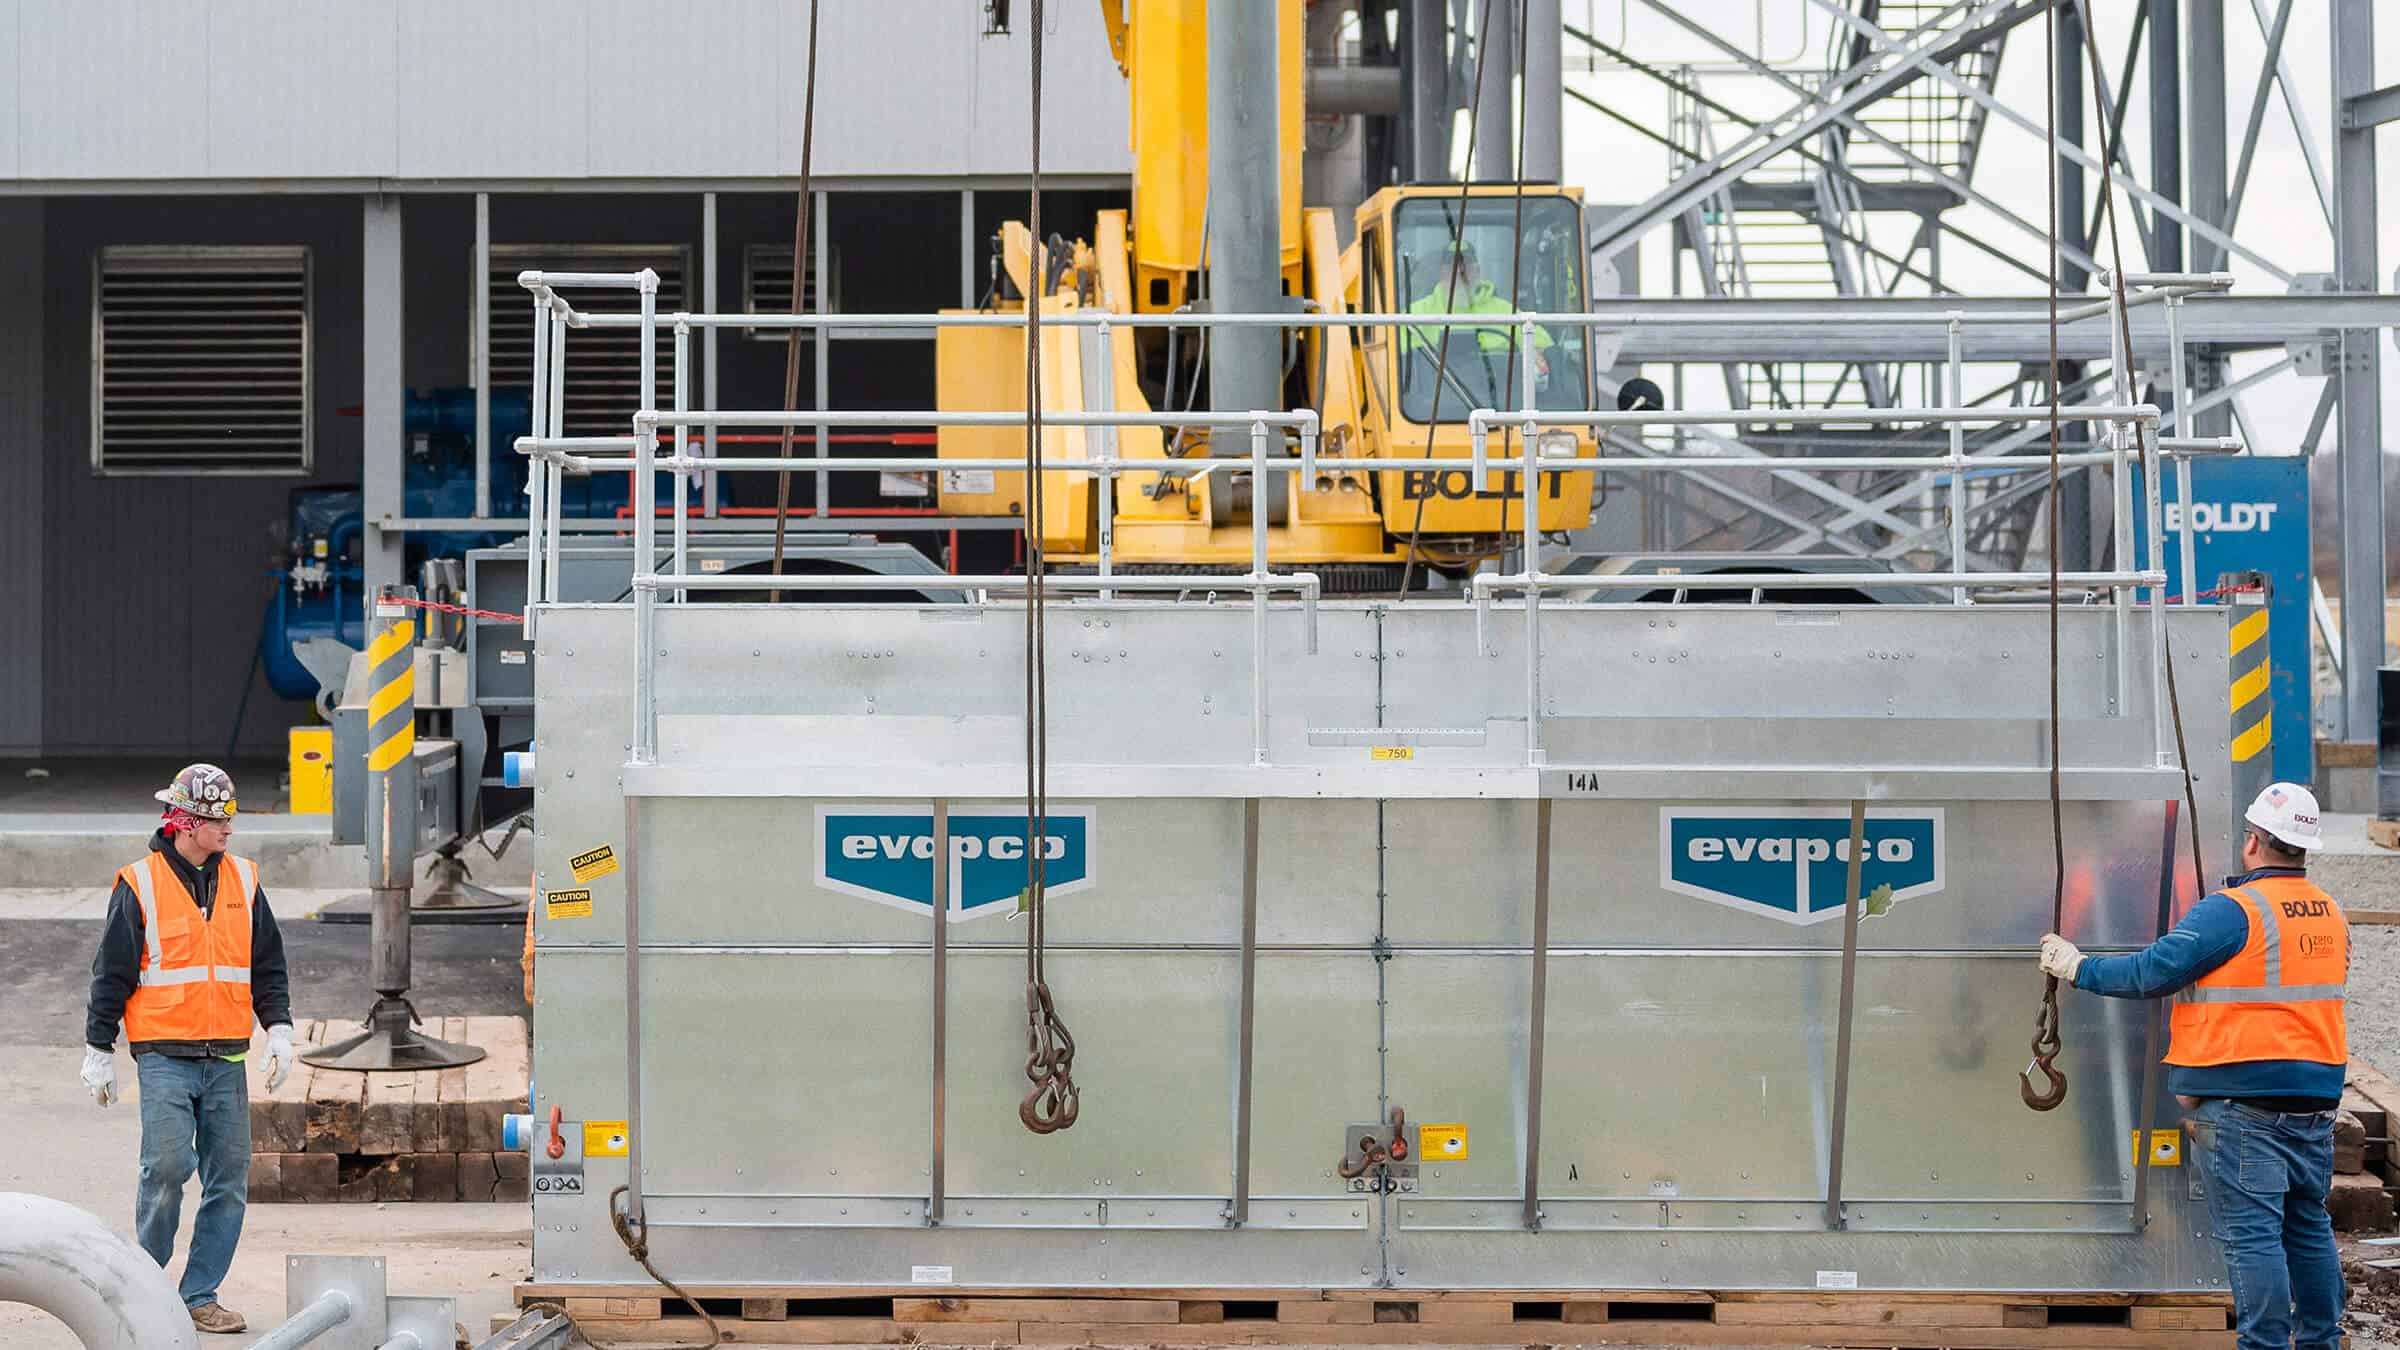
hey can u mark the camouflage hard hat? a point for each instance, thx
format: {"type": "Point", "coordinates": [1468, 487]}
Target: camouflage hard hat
{"type": "Point", "coordinates": [203, 790]}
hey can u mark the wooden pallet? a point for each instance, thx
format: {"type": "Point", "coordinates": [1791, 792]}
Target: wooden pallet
{"type": "Point", "coordinates": [635, 1315]}
{"type": "Point", "coordinates": [330, 1135]}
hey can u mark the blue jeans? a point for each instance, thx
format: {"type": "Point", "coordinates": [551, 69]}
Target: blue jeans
{"type": "Point", "coordinates": [2265, 1174]}
{"type": "Point", "coordinates": [195, 1113]}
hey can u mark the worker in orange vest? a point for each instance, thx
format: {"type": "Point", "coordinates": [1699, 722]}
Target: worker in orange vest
{"type": "Point", "coordinates": [189, 956]}
{"type": "Point", "coordinates": [2258, 1058]}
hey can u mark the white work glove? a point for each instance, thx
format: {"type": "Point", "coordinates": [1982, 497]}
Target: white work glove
{"type": "Point", "coordinates": [279, 1054]}
{"type": "Point", "coordinates": [100, 1074]}
{"type": "Point", "coordinates": [2059, 957]}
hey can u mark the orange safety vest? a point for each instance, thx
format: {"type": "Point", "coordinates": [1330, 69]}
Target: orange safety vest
{"type": "Point", "coordinates": [195, 971]}
{"type": "Point", "coordinates": [2280, 997]}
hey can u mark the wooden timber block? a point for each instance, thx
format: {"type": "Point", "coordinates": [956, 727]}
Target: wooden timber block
{"type": "Point", "coordinates": [766, 1310]}
{"type": "Point", "coordinates": [266, 1178]}
{"type": "Point", "coordinates": [337, 1105]}
{"type": "Point", "coordinates": [1464, 1312]}
{"type": "Point", "coordinates": [386, 1123]}
{"type": "Point", "coordinates": [687, 1330]}
{"type": "Point", "coordinates": [396, 1178]}
{"type": "Point", "coordinates": [441, 1121]}
{"type": "Point", "coordinates": [2384, 833]}
{"type": "Point", "coordinates": [1041, 1310]}
{"type": "Point", "coordinates": [437, 1178]}
{"type": "Point", "coordinates": [495, 1084]}
{"type": "Point", "coordinates": [279, 1117]}
{"type": "Point", "coordinates": [2359, 1204]}
{"type": "Point", "coordinates": [2176, 1319]}
{"type": "Point", "coordinates": [614, 1309]}
{"type": "Point", "coordinates": [515, 1177]}
{"type": "Point", "coordinates": [478, 1180]}
{"type": "Point", "coordinates": [1200, 1311]}
{"type": "Point", "coordinates": [309, 1178]}
{"type": "Point", "coordinates": [2349, 1144]}
{"type": "Point", "coordinates": [1860, 1312]}
{"type": "Point", "coordinates": [1319, 1313]}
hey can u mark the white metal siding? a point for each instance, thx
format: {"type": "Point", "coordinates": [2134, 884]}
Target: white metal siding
{"type": "Point", "coordinates": [299, 90]}
{"type": "Point", "coordinates": [542, 89]}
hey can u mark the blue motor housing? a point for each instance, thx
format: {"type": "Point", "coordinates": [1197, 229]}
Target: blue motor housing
{"type": "Point", "coordinates": [319, 577]}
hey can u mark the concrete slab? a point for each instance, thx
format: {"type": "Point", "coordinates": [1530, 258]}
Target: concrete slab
{"type": "Point", "coordinates": [63, 1146]}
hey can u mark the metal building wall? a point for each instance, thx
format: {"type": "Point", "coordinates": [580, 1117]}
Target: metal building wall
{"type": "Point", "coordinates": [114, 90]}
{"type": "Point", "coordinates": [154, 586]}
{"type": "Point", "coordinates": [22, 570]}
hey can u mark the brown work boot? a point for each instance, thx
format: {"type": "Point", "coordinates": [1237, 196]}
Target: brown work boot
{"type": "Point", "coordinates": [217, 1319]}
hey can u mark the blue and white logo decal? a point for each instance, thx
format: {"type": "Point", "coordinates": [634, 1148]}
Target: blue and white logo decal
{"type": "Point", "coordinates": [885, 854]}
{"type": "Point", "coordinates": [1790, 863]}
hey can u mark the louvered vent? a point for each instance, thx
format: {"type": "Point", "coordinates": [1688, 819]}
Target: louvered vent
{"type": "Point", "coordinates": [200, 361]}
{"type": "Point", "coordinates": [767, 289]}
{"type": "Point", "coordinates": [604, 365]}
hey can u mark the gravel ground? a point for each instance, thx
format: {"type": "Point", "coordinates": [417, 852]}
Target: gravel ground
{"type": "Point", "coordinates": [2374, 1008]}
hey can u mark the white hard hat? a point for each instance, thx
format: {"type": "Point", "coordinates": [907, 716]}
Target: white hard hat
{"type": "Point", "coordinates": [2287, 811]}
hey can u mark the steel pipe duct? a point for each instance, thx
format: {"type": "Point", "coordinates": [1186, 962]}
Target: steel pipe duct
{"type": "Point", "coordinates": [108, 1291]}
{"type": "Point", "coordinates": [1371, 91]}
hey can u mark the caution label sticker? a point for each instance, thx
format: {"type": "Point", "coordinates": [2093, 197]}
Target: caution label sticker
{"type": "Point", "coordinates": [605, 1138]}
{"type": "Point", "coordinates": [575, 904]}
{"type": "Point", "coordinates": [1391, 752]}
{"type": "Point", "coordinates": [593, 864]}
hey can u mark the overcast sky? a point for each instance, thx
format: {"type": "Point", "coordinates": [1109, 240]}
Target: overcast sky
{"type": "Point", "coordinates": [2279, 215]}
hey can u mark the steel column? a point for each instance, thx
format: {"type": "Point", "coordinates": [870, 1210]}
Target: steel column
{"type": "Point", "coordinates": [383, 390]}
{"type": "Point", "coordinates": [1494, 157]}
{"type": "Point", "coordinates": [2068, 62]}
{"type": "Point", "coordinates": [1425, 79]}
{"type": "Point", "coordinates": [2166, 130]}
{"type": "Point", "coordinates": [708, 343]}
{"type": "Point", "coordinates": [2360, 444]}
{"type": "Point", "coordinates": [1245, 215]}
{"type": "Point", "coordinates": [2204, 137]}
{"type": "Point", "coordinates": [481, 340]}
{"type": "Point", "coordinates": [1545, 93]}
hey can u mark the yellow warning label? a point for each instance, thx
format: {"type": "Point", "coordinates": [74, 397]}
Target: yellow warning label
{"type": "Point", "coordinates": [593, 864]}
{"type": "Point", "coordinates": [2166, 1148]}
{"type": "Point", "coordinates": [1385, 752]}
{"type": "Point", "coordinates": [575, 904]}
{"type": "Point", "coordinates": [1442, 1143]}
{"type": "Point", "coordinates": [605, 1138]}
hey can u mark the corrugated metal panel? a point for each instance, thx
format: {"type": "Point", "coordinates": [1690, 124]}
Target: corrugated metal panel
{"type": "Point", "coordinates": [21, 541]}
{"type": "Point", "coordinates": [561, 89]}
{"type": "Point", "coordinates": [8, 71]}
{"type": "Point", "coordinates": [698, 91]}
{"type": "Point", "coordinates": [301, 89]}
{"type": "Point", "coordinates": [872, 117]}
{"type": "Point", "coordinates": [112, 89]}
{"type": "Point", "coordinates": [496, 90]}
{"type": "Point", "coordinates": [1083, 99]}
{"type": "Point", "coordinates": [155, 587]}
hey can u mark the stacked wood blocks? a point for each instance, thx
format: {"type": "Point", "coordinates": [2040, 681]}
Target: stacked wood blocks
{"type": "Point", "coordinates": [331, 1136]}
{"type": "Point", "coordinates": [2363, 1160]}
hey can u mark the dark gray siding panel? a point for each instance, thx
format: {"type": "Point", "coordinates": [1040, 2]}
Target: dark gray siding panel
{"type": "Point", "coordinates": [22, 574]}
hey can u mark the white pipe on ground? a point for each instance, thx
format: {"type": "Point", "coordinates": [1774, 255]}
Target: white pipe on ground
{"type": "Point", "coordinates": [68, 1264]}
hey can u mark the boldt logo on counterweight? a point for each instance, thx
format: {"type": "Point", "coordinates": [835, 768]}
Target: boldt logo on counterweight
{"type": "Point", "coordinates": [885, 854]}
{"type": "Point", "coordinates": [1791, 864]}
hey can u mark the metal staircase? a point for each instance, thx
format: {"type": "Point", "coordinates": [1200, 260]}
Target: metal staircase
{"type": "Point", "coordinates": [1814, 220]}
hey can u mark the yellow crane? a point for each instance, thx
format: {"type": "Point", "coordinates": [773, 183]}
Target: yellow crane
{"type": "Point", "coordinates": [1388, 392]}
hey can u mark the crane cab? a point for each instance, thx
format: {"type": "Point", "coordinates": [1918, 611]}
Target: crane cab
{"type": "Point", "coordinates": [1484, 249]}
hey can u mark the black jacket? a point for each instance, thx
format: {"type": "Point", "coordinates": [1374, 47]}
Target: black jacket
{"type": "Point", "coordinates": [117, 966]}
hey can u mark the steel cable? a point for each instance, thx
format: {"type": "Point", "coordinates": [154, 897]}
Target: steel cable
{"type": "Point", "coordinates": [791, 354]}
{"type": "Point", "coordinates": [1458, 231]}
{"type": "Point", "coordinates": [1052, 1101]}
{"type": "Point", "coordinates": [2045, 1044]}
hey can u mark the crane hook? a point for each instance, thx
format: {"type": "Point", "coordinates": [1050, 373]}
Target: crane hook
{"type": "Point", "coordinates": [2045, 1050]}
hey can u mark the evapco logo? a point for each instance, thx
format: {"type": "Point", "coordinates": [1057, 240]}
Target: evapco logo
{"type": "Point", "coordinates": [1791, 863]}
{"type": "Point", "coordinates": [885, 854]}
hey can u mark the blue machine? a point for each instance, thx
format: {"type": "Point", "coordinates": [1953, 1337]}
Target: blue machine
{"type": "Point", "coordinates": [319, 576]}
{"type": "Point", "coordinates": [2251, 515]}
